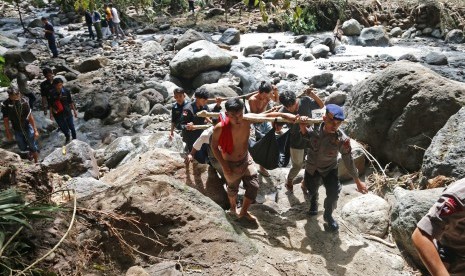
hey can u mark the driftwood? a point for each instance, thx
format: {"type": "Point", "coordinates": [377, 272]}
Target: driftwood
{"type": "Point", "coordinates": [374, 238]}
{"type": "Point", "coordinates": [257, 118]}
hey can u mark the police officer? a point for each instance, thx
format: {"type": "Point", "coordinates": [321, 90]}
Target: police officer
{"type": "Point", "coordinates": [440, 235]}
{"type": "Point", "coordinates": [323, 143]}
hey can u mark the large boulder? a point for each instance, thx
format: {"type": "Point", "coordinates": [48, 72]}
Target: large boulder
{"type": "Point", "coordinates": [231, 36]}
{"type": "Point", "coordinates": [187, 223]}
{"type": "Point", "coordinates": [189, 37]}
{"type": "Point", "coordinates": [374, 36]}
{"type": "Point", "coordinates": [358, 154]}
{"type": "Point", "coordinates": [98, 107]}
{"type": "Point", "coordinates": [153, 96]}
{"type": "Point", "coordinates": [86, 186]}
{"type": "Point", "coordinates": [220, 90]}
{"type": "Point", "coordinates": [253, 50]}
{"type": "Point", "coordinates": [320, 51]}
{"type": "Point", "coordinates": [409, 207]}
{"type": "Point", "coordinates": [13, 57]}
{"type": "Point", "coordinates": [435, 58]}
{"type": "Point", "coordinates": [92, 64]}
{"type": "Point", "coordinates": [445, 154]}
{"type": "Point", "coordinates": [397, 110]}
{"type": "Point", "coordinates": [79, 160]}
{"type": "Point", "coordinates": [351, 27]}
{"type": "Point", "coordinates": [120, 107]}
{"type": "Point", "coordinates": [322, 79]}
{"type": "Point", "coordinates": [141, 105]}
{"type": "Point", "coordinates": [200, 56]}
{"type": "Point", "coordinates": [251, 71]}
{"type": "Point", "coordinates": [369, 213]}
{"type": "Point", "coordinates": [167, 42]}
{"type": "Point", "coordinates": [427, 14]}
{"type": "Point", "coordinates": [8, 42]}
{"type": "Point", "coordinates": [206, 77]}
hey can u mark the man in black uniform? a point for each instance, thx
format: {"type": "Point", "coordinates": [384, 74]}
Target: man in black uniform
{"type": "Point", "coordinates": [190, 118]}
{"type": "Point", "coordinates": [440, 234]}
{"type": "Point", "coordinates": [45, 87]}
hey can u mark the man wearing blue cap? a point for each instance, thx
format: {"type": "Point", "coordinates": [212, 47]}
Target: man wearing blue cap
{"type": "Point", "coordinates": [323, 143]}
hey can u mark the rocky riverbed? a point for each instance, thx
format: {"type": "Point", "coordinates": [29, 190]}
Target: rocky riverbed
{"type": "Point", "coordinates": [402, 92]}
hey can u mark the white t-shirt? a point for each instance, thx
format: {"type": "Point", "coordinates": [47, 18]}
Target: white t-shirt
{"type": "Point", "coordinates": [116, 19]}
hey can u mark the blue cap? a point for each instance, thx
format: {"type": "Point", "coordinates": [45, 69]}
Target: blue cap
{"type": "Point", "coordinates": [335, 112]}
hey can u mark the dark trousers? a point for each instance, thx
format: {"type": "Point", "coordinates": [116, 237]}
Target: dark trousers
{"type": "Point", "coordinates": [52, 44]}
{"type": "Point", "coordinates": [66, 123]}
{"type": "Point", "coordinates": [91, 33]}
{"type": "Point", "coordinates": [332, 186]}
{"type": "Point", "coordinates": [98, 30]}
{"type": "Point", "coordinates": [191, 6]}
{"type": "Point", "coordinates": [32, 99]}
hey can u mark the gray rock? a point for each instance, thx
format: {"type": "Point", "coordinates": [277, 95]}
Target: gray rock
{"type": "Point", "coordinates": [409, 207]}
{"type": "Point", "coordinates": [336, 97]}
{"type": "Point", "coordinates": [167, 42]}
{"type": "Point", "coordinates": [321, 80]}
{"type": "Point", "coordinates": [274, 54]}
{"type": "Point", "coordinates": [409, 57]}
{"type": "Point", "coordinates": [385, 111]}
{"type": "Point", "coordinates": [141, 105]}
{"type": "Point", "coordinates": [164, 27]}
{"type": "Point", "coordinates": [387, 57]}
{"type": "Point", "coordinates": [119, 111]}
{"type": "Point", "coordinates": [253, 50]}
{"type": "Point", "coordinates": [79, 160]}
{"type": "Point", "coordinates": [206, 77]}
{"type": "Point", "coordinates": [320, 51]}
{"type": "Point", "coordinates": [220, 90]}
{"type": "Point", "coordinates": [98, 107]}
{"type": "Point", "coordinates": [189, 37]}
{"type": "Point", "coordinates": [455, 36]}
{"type": "Point", "coordinates": [214, 12]}
{"type": "Point", "coordinates": [300, 39]}
{"type": "Point", "coordinates": [151, 48]}
{"type": "Point", "coordinates": [436, 33]}
{"type": "Point", "coordinates": [200, 56]}
{"type": "Point", "coordinates": [231, 36]}
{"type": "Point", "coordinates": [374, 36]}
{"type": "Point", "coordinates": [159, 109]}
{"type": "Point", "coordinates": [86, 186]}
{"type": "Point", "coordinates": [139, 271]}
{"type": "Point", "coordinates": [434, 58]}
{"type": "Point", "coordinates": [369, 214]}
{"type": "Point", "coordinates": [36, 23]}
{"type": "Point", "coordinates": [445, 154]}
{"type": "Point", "coordinates": [92, 64]}
{"type": "Point", "coordinates": [8, 42]}
{"type": "Point", "coordinates": [427, 31]}
{"type": "Point", "coordinates": [406, 34]}
{"type": "Point", "coordinates": [251, 72]}
{"type": "Point", "coordinates": [306, 57]}
{"type": "Point", "coordinates": [117, 151]}
{"type": "Point", "coordinates": [351, 27]}
{"type": "Point", "coordinates": [270, 43]}
{"type": "Point", "coordinates": [358, 155]}
{"type": "Point", "coordinates": [396, 32]}
{"type": "Point", "coordinates": [153, 96]}
{"type": "Point", "coordinates": [13, 57]}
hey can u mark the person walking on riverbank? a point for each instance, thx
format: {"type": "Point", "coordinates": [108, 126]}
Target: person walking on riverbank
{"type": "Point", "coordinates": [46, 87]}
{"type": "Point", "coordinates": [109, 18]}
{"type": "Point", "coordinates": [191, 6]}
{"type": "Point", "coordinates": [50, 36]}
{"type": "Point", "coordinates": [89, 23]}
{"type": "Point", "coordinates": [116, 22]}
{"type": "Point", "coordinates": [61, 106]}
{"type": "Point", "coordinates": [16, 110]}
{"type": "Point", "coordinates": [96, 17]}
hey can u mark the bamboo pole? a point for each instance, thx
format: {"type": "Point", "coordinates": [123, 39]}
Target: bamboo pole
{"type": "Point", "coordinates": [257, 118]}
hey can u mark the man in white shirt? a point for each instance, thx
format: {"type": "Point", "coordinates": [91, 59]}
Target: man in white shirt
{"type": "Point", "coordinates": [116, 22]}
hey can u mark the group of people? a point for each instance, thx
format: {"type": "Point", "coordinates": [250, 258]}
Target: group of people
{"type": "Point", "coordinates": [19, 121]}
{"type": "Point", "coordinates": [225, 145]}
{"type": "Point", "coordinates": [104, 26]}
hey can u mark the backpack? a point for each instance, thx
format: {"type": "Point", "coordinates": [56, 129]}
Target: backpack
{"type": "Point", "coordinates": [270, 151]}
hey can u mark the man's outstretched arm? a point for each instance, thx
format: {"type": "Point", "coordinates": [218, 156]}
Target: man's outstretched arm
{"type": "Point", "coordinates": [428, 253]}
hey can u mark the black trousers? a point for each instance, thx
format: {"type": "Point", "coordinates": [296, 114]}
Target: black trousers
{"type": "Point", "coordinates": [191, 6]}
{"type": "Point", "coordinates": [332, 186]}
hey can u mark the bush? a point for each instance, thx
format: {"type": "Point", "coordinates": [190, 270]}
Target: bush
{"type": "Point", "coordinates": [301, 21]}
{"type": "Point", "coordinates": [4, 80]}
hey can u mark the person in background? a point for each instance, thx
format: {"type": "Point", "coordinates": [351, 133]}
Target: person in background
{"type": "Point", "coordinates": [439, 236]}
{"type": "Point", "coordinates": [96, 18]}
{"type": "Point", "coordinates": [116, 22]}
{"type": "Point", "coordinates": [45, 87]}
{"type": "Point", "coordinates": [16, 110]}
{"type": "Point", "coordinates": [176, 110]}
{"type": "Point", "coordinates": [89, 23]}
{"type": "Point", "coordinates": [50, 36]}
{"type": "Point", "coordinates": [109, 18]}
{"type": "Point", "coordinates": [61, 105]}
{"type": "Point", "coordinates": [105, 29]}
{"type": "Point", "coordinates": [191, 6]}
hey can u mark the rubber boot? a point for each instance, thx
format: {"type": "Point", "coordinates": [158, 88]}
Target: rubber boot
{"type": "Point", "coordinates": [313, 205]}
{"type": "Point", "coordinates": [330, 225]}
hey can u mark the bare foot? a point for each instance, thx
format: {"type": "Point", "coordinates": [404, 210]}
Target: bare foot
{"type": "Point", "coordinates": [233, 213]}
{"type": "Point", "coordinates": [247, 216]}
{"type": "Point", "coordinates": [289, 186]}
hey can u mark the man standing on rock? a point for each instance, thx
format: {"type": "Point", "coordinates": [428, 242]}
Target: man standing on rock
{"type": "Point", "coordinates": [16, 110]}
{"type": "Point", "coordinates": [439, 236]}
{"type": "Point", "coordinates": [323, 143]}
{"type": "Point", "coordinates": [258, 103]}
{"type": "Point", "coordinates": [230, 140]}
{"type": "Point", "coordinates": [50, 36]}
{"type": "Point", "coordinates": [301, 107]}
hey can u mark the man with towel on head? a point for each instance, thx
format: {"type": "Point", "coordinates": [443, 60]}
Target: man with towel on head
{"type": "Point", "coordinates": [230, 147]}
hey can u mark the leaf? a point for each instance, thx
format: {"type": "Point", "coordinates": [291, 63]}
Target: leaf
{"type": "Point", "coordinates": [265, 17]}
{"type": "Point", "coordinates": [2, 239]}
{"type": "Point", "coordinates": [256, 2]}
{"type": "Point", "coordinates": [21, 221]}
{"type": "Point", "coordinates": [246, 2]}
{"type": "Point", "coordinates": [298, 11]}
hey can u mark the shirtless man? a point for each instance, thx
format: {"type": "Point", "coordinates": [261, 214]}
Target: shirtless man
{"type": "Point", "coordinates": [258, 104]}
{"type": "Point", "coordinates": [230, 147]}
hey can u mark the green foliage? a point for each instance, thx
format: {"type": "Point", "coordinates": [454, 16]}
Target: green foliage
{"type": "Point", "coordinates": [4, 80]}
{"type": "Point", "coordinates": [15, 215]}
{"type": "Point", "coordinates": [301, 21]}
